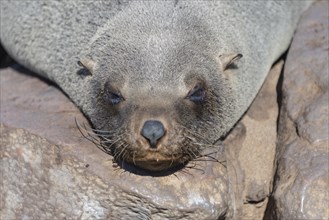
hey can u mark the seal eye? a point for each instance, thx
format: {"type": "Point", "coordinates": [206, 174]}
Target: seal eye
{"type": "Point", "coordinates": [197, 94]}
{"type": "Point", "coordinates": [112, 95]}
{"type": "Point", "coordinates": [114, 98]}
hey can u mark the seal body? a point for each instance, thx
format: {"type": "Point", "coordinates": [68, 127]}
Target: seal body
{"type": "Point", "coordinates": [160, 81]}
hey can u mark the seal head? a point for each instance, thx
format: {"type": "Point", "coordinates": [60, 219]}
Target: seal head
{"type": "Point", "coordinates": [161, 95]}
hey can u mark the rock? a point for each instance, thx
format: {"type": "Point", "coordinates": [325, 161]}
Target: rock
{"type": "Point", "coordinates": [48, 170]}
{"type": "Point", "coordinates": [250, 153]}
{"type": "Point", "coordinates": [302, 178]}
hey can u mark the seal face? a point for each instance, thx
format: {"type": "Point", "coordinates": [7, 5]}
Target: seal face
{"type": "Point", "coordinates": [156, 128]}
{"type": "Point", "coordinates": [155, 107]}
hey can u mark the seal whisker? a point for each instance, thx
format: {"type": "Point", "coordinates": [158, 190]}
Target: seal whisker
{"type": "Point", "coordinates": [90, 134]}
{"type": "Point", "coordinates": [195, 134]}
{"type": "Point", "coordinates": [191, 153]}
{"type": "Point", "coordinates": [201, 144]}
{"type": "Point", "coordinates": [123, 157]}
{"type": "Point", "coordinates": [80, 128]}
{"type": "Point", "coordinates": [105, 136]}
{"type": "Point", "coordinates": [109, 141]}
{"type": "Point", "coordinates": [95, 132]}
{"type": "Point", "coordinates": [205, 145]}
{"type": "Point", "coordinates": [116, 151]}
{"type": "Point", "coordinates": [122, 150]}
{"type": "Point", "coordinates": [109, 135]}
{"type": "Point", "coordinates": [195, 142]}
{"type": "Point", "coordinates": [186, 171]}
{"type": "Point", "coordinates": [134, 157]}
{"type": "Point", "coordinates": [97, 142]}
{"type": "Point", "coordinates": [208, 154]}
{"type": "Point", "coordinates": [88, 129]}
{"type": "Point", "coordinates": [211, 158]}
{"type": "Point", "coordinates": [172, 160]}
{"type": "Point", "coordinates": [195, 168]}
{"type": "Point", "coordinates": [113, 143]}
{"type": "Point", "coordinates": [98, 145]}
{"type": "Point", "coordinates": [102, 131]}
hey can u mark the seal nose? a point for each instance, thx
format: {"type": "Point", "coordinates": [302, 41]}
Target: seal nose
{"type": "Point", "coordinates": [153, 131]}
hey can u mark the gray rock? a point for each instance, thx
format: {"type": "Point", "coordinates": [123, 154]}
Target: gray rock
{"type": "Point", "coordinates": [302, 180]}
{"type": "Point", "coordinates": [250, 153]}
{"type": "Point", "coordinates": [49, 171]}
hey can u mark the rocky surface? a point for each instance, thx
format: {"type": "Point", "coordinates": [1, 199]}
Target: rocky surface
{"type": "Point", "coordinates": [302, 179]}
{"type": "Point", "coordinates": [250, 153]}
{"type": "Point", "coordinates": [49, 171]}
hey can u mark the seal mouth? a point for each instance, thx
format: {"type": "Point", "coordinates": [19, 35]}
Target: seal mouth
{"type": "Point", "coordinates": [155, 161]}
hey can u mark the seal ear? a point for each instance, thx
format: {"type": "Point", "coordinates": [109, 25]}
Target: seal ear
{"type": "Point", "coordinates": [88, 64]}
{"type": "Point", "coordinates": [228, 59]}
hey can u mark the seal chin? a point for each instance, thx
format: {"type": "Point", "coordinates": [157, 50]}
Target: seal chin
{"type": "Point", "coordinates": [155, 161]}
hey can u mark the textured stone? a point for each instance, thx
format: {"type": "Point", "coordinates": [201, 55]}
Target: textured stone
{"type": "Point", "coordinates": [250, 153]}
{"type": "Point", "coordinates": [302, 180]}
{"type": "Point", "coordinates": [46, 163]}
{"type": "Point", "coordinates": [66, 169]}
{"type": "Point", "coordinates": [49, 171]}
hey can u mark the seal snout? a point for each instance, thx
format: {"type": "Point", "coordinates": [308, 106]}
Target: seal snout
{"type": "Point", "coordinates": [153, 130]}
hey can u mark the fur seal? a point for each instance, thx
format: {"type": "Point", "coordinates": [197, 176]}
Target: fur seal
{"type": "Point", "coordinates": [161, 80]}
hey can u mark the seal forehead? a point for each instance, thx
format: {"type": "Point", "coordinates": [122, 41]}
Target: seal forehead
{"type": "Point", "coordinates": [155, 42]}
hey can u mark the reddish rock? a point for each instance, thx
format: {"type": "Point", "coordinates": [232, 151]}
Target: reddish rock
{"type": "Point", "coordinates": [302, 180]}
{"type": "Point", "coordinates": [250, 151]}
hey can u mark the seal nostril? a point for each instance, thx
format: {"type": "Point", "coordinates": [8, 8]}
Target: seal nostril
{"type": "Point", "coordinates": [153, 131]}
